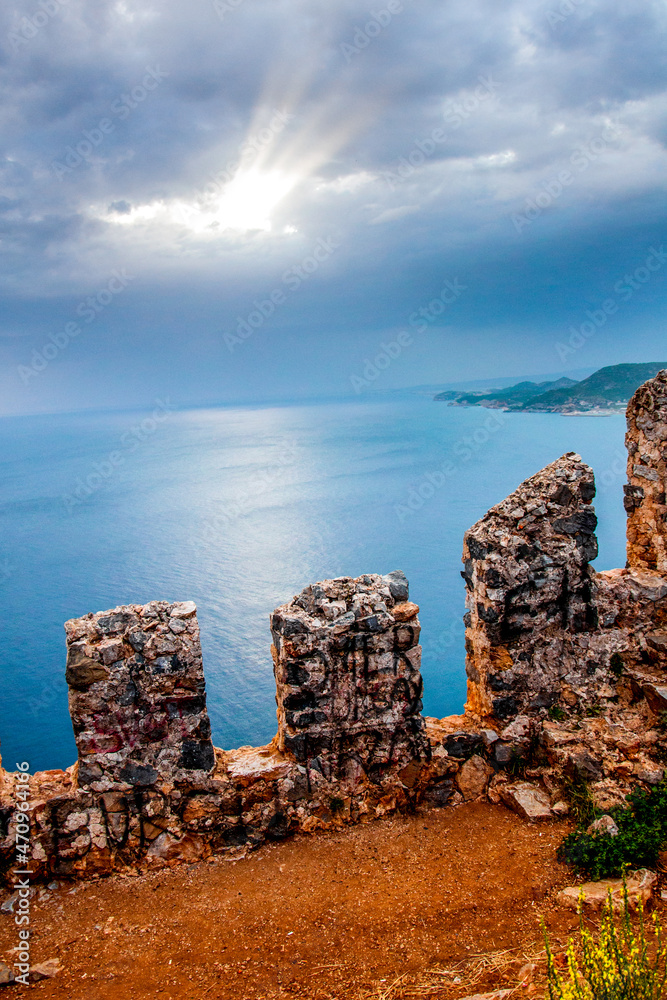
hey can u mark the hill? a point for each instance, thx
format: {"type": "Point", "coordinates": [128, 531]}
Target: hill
{"type": "Point", "coordinates": [513, 397]}
{"type": "Point", "coordinates": [607, 389]}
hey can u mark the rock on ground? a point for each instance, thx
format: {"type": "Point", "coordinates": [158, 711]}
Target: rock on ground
{"type": "Point", "coordinates": [528, 801]}
{"type": "Point", "coordinates": [473, 777]}
{"type": "Point", "coordinates": [640, 885]}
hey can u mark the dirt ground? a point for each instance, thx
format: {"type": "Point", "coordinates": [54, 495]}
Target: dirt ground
{"type": "Point", "coordinates": [334, 915]}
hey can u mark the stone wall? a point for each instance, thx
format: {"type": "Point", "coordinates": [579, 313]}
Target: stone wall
{"type": "Point", "coordinates": [530, 601]}
{"type": "Point", "coordinates": [150, 788]}
{"type": "Point", "coordinates": [567, 673]}
{"type": "Point", "coordinates": [347, 666]}
{"type": "Point", "coordinates": [645, 502]}
{"type": "Point", "coordinates": [136, 695]}
{"type": "Point", "coordinates": [543, 629]}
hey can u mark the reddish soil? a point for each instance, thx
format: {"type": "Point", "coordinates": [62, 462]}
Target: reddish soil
{"type": "Point", "coordinates": [330, 915]}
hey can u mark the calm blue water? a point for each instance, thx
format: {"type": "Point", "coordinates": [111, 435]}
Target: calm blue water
{"type": "Point", "coordinates": [239, 509]}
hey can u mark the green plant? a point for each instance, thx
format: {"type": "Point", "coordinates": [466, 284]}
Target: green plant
{"type": "Point", "coordinates": [642, 830]}
{"type": "Point", "coordinates": [621, 964]}
{"type": "Point", "coordinates": [578, 793]}
{"type": "Point", "coordinates": [557, 714]}
{"type": "Point", "coordinates": [661, 721]}
{"type": "Point", "coordinates": [336, 804]}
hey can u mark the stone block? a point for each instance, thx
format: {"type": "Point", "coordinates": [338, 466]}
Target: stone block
{"type": "Point", "coordinates": [473, 777]}
{"type": "Point", "coordinates": [347, 665]}
{"type": "Point", "coordinates": [529, 802]}
{"type": "Point", "coordinates": [137, 696]}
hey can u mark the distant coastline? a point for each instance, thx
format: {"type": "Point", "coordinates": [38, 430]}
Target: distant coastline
{"type": "Point", "coordinates": [604, 393]}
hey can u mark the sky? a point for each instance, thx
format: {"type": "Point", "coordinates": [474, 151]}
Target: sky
{"type": "Point", "coordinates": [246, 201]}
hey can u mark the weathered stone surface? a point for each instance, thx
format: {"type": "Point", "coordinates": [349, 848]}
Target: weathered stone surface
{"type": "Point", "coordinates": [137, 697]}
{"type": "Point", "coordinates": [149, 786]}
{"type": "Point", "coordinates": [543, 629]}
{"type": "Point", "coordinates": [473, 777]}
{"type": "Point", "coordinates": [650, 774]}
{"type": "Point", "coordinates": [44, 970]}
{"type": "Point", "coordinates": [405, 612]}
{"type": "Point", "coordinates": [604, 824]}
{"type": "Point", "coordinates": [656, 696]}
{"type": "Point", "coordinates": [6, 975]}
{"type": "Point", "coordinates": [530, 592]}
{"type": "Point", "coordinates": [641, 886]}
{"type": "Point", "coordinates": [528, 801]}
{"type": "Point", "coordinates": [251, 764]}
{"type": "Point", "coordinates": [348, 677]}
{"type": "Point", "coordinates": [645, 502]}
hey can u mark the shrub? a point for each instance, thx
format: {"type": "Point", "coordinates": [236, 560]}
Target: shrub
{"type": "Point", "coordinates": [642, 830]}
{"type": "Point", "coordinates": [622, 964]}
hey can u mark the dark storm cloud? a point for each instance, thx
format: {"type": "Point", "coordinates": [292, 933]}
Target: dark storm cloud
{"type": "Point", "coordinates": [518, 147]}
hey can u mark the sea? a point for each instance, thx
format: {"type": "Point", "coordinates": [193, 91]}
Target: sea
{"type": "Point", "coordinates": [240, 508]}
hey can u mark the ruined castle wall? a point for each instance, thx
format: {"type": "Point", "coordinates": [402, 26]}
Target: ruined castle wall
{"type": "Point", "coordinates": [543, 629]}
{"type": "Point", "coordinates": [136, 695]}
{"type": "Point", "coordinates": [150, 788]}
{"type": "Point", "coordinates": [531, 609]}
{"type": "Point", "coordinates": [347, 665]}
{"type": "Point", "coordinates": [645, 502]}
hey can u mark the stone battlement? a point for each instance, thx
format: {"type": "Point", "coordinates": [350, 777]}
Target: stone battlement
{"type": "Point", "coordinates": [567, 672]}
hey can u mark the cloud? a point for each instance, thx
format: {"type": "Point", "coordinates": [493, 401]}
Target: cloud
{"type": "Point", "coordinates": [207, 150]}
